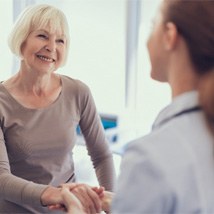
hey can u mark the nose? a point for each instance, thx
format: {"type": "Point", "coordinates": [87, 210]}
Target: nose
{"type": "Point", "coordinates": [50, 46]}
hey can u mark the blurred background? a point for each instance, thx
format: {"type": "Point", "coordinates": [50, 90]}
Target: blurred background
{"type": "Point", "coordinates": [107, 52]}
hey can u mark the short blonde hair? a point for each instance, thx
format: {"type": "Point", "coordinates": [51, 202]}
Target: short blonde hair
{"type": "Point", "coordinates": [37, 17]}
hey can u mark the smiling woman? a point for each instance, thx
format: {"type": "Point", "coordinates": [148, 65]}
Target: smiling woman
{"type": "Point", "coordinates": [44, 49]}
{"type": "Point", "coordinates": [51, 19]}
{"type": "Point", "coordinates": [40, 111]}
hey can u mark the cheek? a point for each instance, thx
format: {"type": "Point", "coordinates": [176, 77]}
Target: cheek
{"type": "Point", "coordinates": [156, 60]}
{"type": "Point", "coordinates": [152, 45]}
{"type": "Point", "coordinates": [151, 50]}
{"type": "Point", "coordinates": [28, 48]}
{"type": "Point", "coordinates": [62, 54]}
{"type": "Point", "coordinates": [148, 44]}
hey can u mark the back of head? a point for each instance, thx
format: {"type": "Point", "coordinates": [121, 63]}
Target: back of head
{"type": "Point", "coordinates": [195, 23]}
{"type": "Point", "coordinates": [33, 18]}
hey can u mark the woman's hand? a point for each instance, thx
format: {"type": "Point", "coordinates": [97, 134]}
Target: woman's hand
{"type": "Point", "coordinates": [52, 196]}
{"type": "Point", "coordinates": [71, 202]}
{"type": "Point", "coordinates": [77, 199]}
{"type": "Point", "coordinates": [106, 201]}
{"type": "Point", "coordinates": [106, 198]}
{"type": "Point", "coordinates": [89, 198]}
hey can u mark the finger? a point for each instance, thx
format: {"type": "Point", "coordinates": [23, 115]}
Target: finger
{"type": "Point", "coordinates": [107, 200]}
{"type": "Point", "coordinates": [80, 192]}
{"type": "Point", "coordinates": [88, 198]}
{"type": "Point", "coordinates": [56, 207]}
{"type": "Point", "coordinates": [71, 202]}
{"type": "Point", "coordinates": [70, 186]}
{"type": "Point", "coordinates": [68, 197]}
{"type": "Point", "coordinates": [96, 202]}
{"type": "Point", "coordinates": [99, 191]}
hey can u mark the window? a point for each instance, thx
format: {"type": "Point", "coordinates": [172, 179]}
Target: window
{"type": "Point", "coordinates": [6, 20]}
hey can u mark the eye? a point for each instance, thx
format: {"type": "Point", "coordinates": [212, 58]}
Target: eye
{"type": "Point", "coordinates": [61, 41]}
{"type": "Point", "coordinates": [42, 36]}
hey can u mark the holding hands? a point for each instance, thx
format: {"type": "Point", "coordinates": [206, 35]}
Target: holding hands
{"type": "Point", "coordinates": [77, 198]}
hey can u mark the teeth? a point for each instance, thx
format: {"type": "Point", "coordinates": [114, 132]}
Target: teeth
{"type": "Point", "coordinates": [46, 59]}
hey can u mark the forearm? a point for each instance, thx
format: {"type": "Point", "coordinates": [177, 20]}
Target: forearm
{"type": "Point", "coordinates": [105, 172]}
{"type": "Point", "coordinates": [20, 191]}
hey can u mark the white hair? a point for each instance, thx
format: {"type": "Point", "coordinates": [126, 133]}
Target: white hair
{"type": "Point", "coordinates": [37, 17]}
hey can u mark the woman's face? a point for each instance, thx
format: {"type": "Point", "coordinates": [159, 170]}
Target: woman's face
{"type": "Point", "coordinates": [44, 51]}
{"type": "Point", "coordinates": [157, 53]}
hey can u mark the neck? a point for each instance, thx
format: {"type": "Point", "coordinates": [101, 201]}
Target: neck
{"type": "Point", "coordinates": [32, 83]}
{"type": "Point", "coordinates": [182, 75]}
{"type": "Point", "coordinates": [183, 83]}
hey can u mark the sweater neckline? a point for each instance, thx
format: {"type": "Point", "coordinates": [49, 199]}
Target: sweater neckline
{"type": "Point", "coordinates": [17, 103]}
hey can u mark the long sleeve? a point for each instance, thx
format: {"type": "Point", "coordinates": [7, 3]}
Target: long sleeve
{"type": "Point", "coordinates": [96, 142]}
{"type": "Point", "coordinates": [13, 188]}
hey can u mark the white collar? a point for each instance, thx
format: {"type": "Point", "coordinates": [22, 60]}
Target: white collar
{"type": "Point", "coordinates": [183, 102]}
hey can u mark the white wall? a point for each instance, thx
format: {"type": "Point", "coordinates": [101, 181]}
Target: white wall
{"type": "Point", "coordinates": [6, 24]}
{"type": "Point", "coordinates": [97, 51]}
{"type": "Point", "coordinates": [152, 96]}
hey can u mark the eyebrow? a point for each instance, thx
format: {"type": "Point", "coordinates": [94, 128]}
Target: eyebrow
{"type": "Point", "coordinates": [47, 32]}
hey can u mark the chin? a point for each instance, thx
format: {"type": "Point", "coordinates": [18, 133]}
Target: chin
{"type": "Point", "coordinates": [156, 77]}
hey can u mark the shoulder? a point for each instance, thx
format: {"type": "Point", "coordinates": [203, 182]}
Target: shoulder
{"type": "Point", "coordinates": [163, 147]}
{"type": "Point", "coordinates": [73, 83]}
{"type": "Point", "coordinates": [74, 86]}
{"type": "Point", "coordinates": [75, 91]}
{"type": "Point", "coordinates": [6, 103]}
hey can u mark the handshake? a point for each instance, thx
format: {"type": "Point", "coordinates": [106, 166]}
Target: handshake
{"type": "Point", "coordinates": [74, 198]}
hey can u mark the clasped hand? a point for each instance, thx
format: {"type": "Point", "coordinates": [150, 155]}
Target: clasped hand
{"type": "Point", "coordinates": [75, 198]}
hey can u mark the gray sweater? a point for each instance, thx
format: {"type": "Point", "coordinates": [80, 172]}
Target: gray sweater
{"type": "Point", "coordinates": [36, 146]}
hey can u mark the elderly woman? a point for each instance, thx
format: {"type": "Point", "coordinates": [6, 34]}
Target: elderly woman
{"type": "Point", "coordinates": [39, 113]}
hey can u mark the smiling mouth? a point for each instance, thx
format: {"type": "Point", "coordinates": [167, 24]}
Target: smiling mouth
{"type": "Point", "coordinates": [44, 58]}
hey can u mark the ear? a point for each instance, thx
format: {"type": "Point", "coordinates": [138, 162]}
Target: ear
{"type": "Point", "coordinates": [171, 36]}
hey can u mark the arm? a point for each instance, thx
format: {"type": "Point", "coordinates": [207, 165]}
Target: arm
{"type": "Point", "coordinates": [13, 188]}
{"type": "Point", "coordinates": [98, 147]}
{"type": "Point", "coordinates": [21, 191]}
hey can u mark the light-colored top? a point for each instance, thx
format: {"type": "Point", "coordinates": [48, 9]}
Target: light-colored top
{"type": "Point", "coordinates": [36, 146]}
{"type": "Point", "coordinates": [170, 170]}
